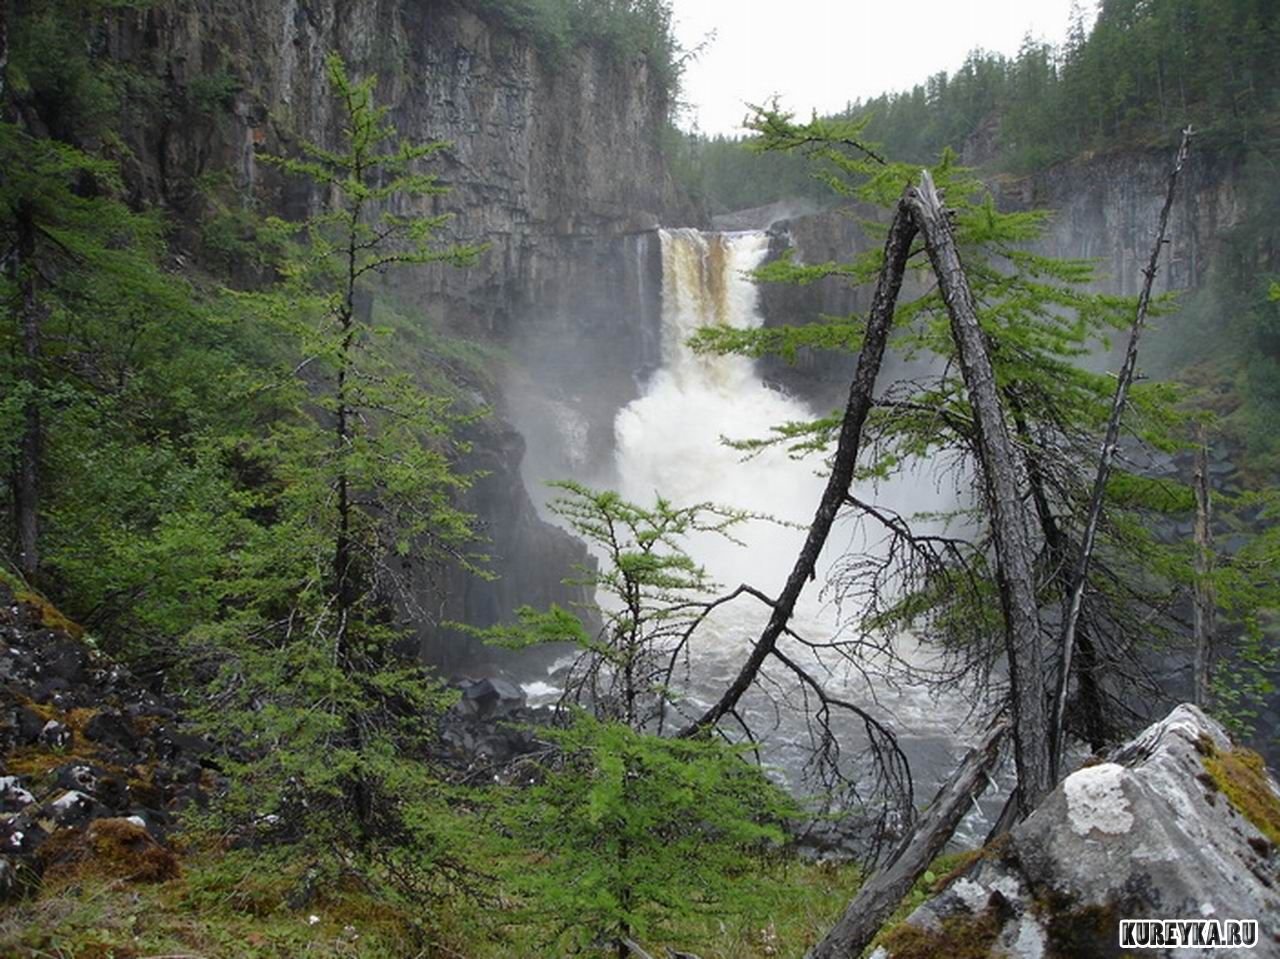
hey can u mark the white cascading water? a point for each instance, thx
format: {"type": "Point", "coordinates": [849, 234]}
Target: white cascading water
{"type": "Point", "coordinates": [671, 441]}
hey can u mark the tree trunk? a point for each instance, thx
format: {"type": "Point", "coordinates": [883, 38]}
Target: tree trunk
{"type": "Point", "coordinates": [1205, 603]}
{"type": "Point", "coordinates": [1093, 705]}
{"type": "Point", "coordinates": [1080, 575]}
{"type": "Point", "coordinates": [1009, 521]}
{"type": "Point", "coordinates": [882, 893]}
{"type": "Point", "coordinates": [27, 480]}
{"type": "Point", "coordinates": [4, 57]}
{"type": "Point", "coordinates": [898, 245]}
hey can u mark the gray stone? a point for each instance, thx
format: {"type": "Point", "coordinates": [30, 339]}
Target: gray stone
{"type": "Point", "coordinates": [494, 697]}
{"type": "Point", "coordinates": [74, 808]}
{"type": "Point", "coordinates": [55, 735]}
{"type": "Point", "coordinates": [13, 796]}
{"type": "Point", "coordinates": [1145, 835]}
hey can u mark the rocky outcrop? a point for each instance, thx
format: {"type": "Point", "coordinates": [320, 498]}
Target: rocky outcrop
{"type": "Point", "coordinates": [93, 765]}
{"type": "Point", "coordinates": [1175, 825]}
{"type": "Point", "coordinates": [1106, 208]}
{"type": "Point", "coordinates": [553, 163]}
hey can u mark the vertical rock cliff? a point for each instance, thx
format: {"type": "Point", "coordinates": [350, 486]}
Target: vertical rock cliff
{"type": "Point", "coordinates": [1105, 208]}
{"type": "Point", "coordinates": [554, 163]}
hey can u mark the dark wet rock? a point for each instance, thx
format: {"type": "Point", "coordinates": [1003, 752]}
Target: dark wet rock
{"type": "Point", "coordinates": [103, 785]}
{"type": "Point", "coordinates": [63, 659]}
{"type": "Point", "coordinates": [20, 725]}
{"type": "Point", "coordinates": [74, 808]}
{"type": "Point", "coordinates": [14, 797]}
{"type": "Point", "coordinates": [55, 735]}
{"type": "Point", "coordinates": [490, 725]}
{"type": "Point", "coordinates": [492, 698]}
{"type": "Point", "coordinates": [53, 692]}
{"type": "Point", "coordinates": [21, 835]}
{"type": "Point", "coordinates": [125, 760]}
{"type": "Point", "coordinates": [173, 742]}
{"type": "Point", "coordinates": [110, 727]}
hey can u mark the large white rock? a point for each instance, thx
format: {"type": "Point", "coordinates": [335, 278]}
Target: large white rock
{"type": "Point", "coordinates": [1146, 835]}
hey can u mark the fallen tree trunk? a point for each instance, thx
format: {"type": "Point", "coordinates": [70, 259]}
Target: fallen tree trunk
{"type": "Point", "coordinates": [897, 247]}
{"type": "Point", "coordinates": [1009, 520]}
{"type": "Point", "coordinates": [880, 896]}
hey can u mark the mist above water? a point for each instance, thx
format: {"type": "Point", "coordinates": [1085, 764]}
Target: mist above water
{"type": "Point", "coordinates": [670, 441]}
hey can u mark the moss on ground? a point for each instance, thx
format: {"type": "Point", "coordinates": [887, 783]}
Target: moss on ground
{"type": "Point", "coordinates": [961, 937]}
{"type": "Point", "coordinates": [109, 849]}
{"type": "Point", "coordinates": [233, 905]}
{"type": "Point", "coordinates": [46, 612]}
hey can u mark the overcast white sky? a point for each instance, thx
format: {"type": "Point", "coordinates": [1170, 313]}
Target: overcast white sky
{"type": "Point", "coordinates": [824, 53]}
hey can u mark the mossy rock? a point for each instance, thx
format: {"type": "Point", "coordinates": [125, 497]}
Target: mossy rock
{"type": "Point", "coordinates": [961, 937]}
{"type": "Point", "coordinates": [1241, 775]}
{"type": "Point", "coordinates": [108, 848]}
{"type": "Point", "coordinates": [46, 613]}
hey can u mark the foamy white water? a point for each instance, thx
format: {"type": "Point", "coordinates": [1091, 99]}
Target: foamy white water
{"type": "Point", "coordinates": [670, 440]}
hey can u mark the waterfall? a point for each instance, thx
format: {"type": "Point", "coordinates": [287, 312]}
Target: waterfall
{"type": "Point", "coordinates": [670, 439]}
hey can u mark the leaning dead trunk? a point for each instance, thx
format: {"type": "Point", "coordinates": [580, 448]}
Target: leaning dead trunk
{"type": "Point", "coordinates": [1205, 604]}
{"type": "Point", "coordinates": [880, 896]}
{"type": "Point", "coordinates": [1009, 521]}
{"type": "Point", "coordinates": [1080, 575]}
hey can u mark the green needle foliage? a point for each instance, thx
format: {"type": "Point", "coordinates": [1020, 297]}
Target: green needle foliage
{"type": "Point", "coordinates": [636, 833]}
{"type": "Point", "coordinates": [1042, 324]}
{"type": "Point", "coordinates": [652, 598]}
{"type": "Point", "coordinates": [336, 718]}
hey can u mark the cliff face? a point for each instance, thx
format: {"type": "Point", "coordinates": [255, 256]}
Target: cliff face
{"type": "Point", "coordinates": [1105, 208]}
{"type": "Point", "coordinates": [554, 163]}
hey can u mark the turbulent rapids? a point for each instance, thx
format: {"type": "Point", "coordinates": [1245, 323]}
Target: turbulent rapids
{"type": "Point", "coordinates": [672, 441]}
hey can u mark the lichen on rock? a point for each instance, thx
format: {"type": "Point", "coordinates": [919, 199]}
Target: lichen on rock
{"type": "Point", "coordinates": [1130, 838]}
{"type": "Point", "coordinates": [1096, 800]}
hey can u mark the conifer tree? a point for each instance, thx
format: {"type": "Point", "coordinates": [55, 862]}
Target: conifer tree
{"type": "Point", "coordinates": [338, 717]}
{"type": "Point", "coordinates": [636, 830]}
{"type": "Point", "coordinates": [74, 254]}
{"type": "Point", "coordinates": [1037, 321]}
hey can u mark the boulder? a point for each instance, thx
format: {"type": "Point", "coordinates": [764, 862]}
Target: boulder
{"type": "Point", "coordinates": [1176, 825]}
{"type": "Point", "coordinates": [13, 796]}
{"type": "Point", "coordinates": [493, 697]}
{"type": "Point", "coordinates": [92, 779]}
{"type": "Point", "coordinates": [74, 808]}
{"type": "Point", "coordinates": [55, 735]}
{"type": "Point", "coordinates": [111, 728]}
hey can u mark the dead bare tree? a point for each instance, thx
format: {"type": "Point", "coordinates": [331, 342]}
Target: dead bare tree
{"type": "Point", "coordinates": [1106, 458]}
{"type": "Point", "coordinates": [882, 893]}
{"type": "Point", "coordinates": [1205, 605]}
{"type": "Point", "coordinates": [1009, 520]}
{"type": "Point", "coordinates": [902, 231]}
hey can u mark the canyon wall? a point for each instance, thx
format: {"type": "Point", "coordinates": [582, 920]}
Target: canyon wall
{"type": "Point", "coordinates": [1105, 208]}
{"type": "Point", "coordinates": [554, 163]}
